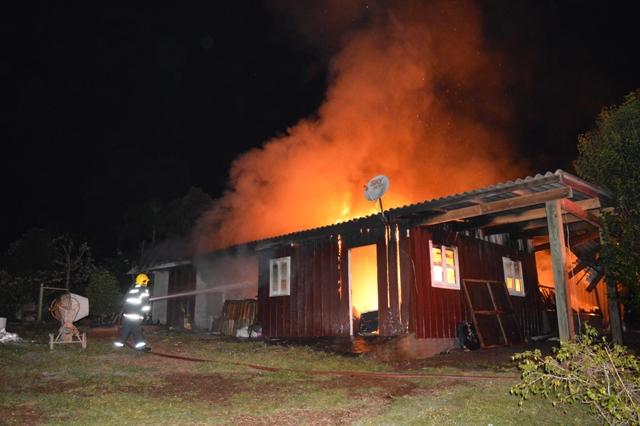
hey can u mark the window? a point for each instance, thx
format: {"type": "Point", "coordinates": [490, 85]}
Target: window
{"type": "Point", "coordinates": [280, 278]}
{"type": "Point", "coordinates": [444, 266]}
{"type": "Point", "coordinates": [513, 276]}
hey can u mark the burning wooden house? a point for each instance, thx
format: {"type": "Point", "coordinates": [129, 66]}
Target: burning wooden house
{"type": "Point", "coordinates": [422, 269]}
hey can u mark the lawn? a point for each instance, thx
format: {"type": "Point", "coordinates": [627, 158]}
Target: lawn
{"type": "Point", "coordinates": [102, 385]}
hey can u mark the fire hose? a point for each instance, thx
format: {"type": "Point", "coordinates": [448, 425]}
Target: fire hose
{"type": "Point", "coordinates": [369, 374]}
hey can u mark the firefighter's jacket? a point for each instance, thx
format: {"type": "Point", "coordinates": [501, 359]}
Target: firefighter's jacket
{"type": "Point", "coordinates": [136, 304]}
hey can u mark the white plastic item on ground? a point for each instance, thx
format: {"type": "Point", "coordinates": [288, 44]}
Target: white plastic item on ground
{"type": "Point", "coordinates": [242, 332]}
{"type": "Point", "coordinates": [6, 337]}
{"type": "Point", "coordinates": [3, 323]}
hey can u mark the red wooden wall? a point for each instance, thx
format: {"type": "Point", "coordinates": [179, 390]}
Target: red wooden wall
{"type": "Point", "coordinates": [319, 301]}
{"type": "Point", "coordinates": [436, 311]}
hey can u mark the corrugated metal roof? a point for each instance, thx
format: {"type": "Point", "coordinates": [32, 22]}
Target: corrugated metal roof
{"type": "Point", "coordinates": [496, 192]}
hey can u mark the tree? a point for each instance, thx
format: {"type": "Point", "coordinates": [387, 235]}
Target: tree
{"type": "Point", "coordinates": [609, 155]}
{"type": "Point", "coordinates": [39, 258]}
{"type": "Point", "coordinates": [181, 214]}
{"type": "Point", "coordinates": [149, 221]}
{"type": "Point", "coordinates": [72, 263]}
{"type": "Point", "coordinates": [104, 295]}
{"type": "Point", "coordinates": [12, 295]}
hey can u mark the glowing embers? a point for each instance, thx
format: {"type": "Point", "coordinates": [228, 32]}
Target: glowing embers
{"type": "Point", "coordinates": [363, 279]}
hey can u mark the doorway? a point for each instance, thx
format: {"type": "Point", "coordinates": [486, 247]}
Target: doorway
{"type": "Point", "coordinates": [363, 290]}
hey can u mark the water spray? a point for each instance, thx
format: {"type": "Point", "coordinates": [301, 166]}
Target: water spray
{"type": "Point", "coordinates": [200, 291]}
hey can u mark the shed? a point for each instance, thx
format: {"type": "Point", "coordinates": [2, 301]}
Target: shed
{"type": "Point", "coordinates": [422, 269]}
{"type": "Point", "coordinates": [437, 263]}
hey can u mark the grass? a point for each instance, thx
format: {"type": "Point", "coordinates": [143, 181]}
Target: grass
{"type": "Point", "coordinates": [102, 386]}
{"type": "Point", "coordinates": [476, 403]}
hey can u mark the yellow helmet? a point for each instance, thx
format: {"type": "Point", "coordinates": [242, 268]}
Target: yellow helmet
{"type": "Point", "coordinates": [142, 279]}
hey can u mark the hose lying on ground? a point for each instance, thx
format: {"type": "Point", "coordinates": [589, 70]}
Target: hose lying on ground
{"type": "Point", "coordinates": [372, 374]}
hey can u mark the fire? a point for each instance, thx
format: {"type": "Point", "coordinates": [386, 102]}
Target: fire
{"type": "Point", "coordinates": [364, 279]}
{"type": "Point", "coordinates": [580, 298]}
{"type": "Point", "coordinates": [414, 95]}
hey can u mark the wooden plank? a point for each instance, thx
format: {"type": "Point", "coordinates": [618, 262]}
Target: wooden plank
{"type": "Point", "coordinates": [317, 291]}
{"type": "Point", "coordinates": [559, 267]}
{"type": "Point", "coordinates": [423, 283]}
{"type": "Point", "coordinates": [592, 285]}
{"type": "Point", "coordinates": [573, 241]}
{"type": "Point", "coordinates": [414, 305]}
{"type": "Point", "coordinates": [493, 300]}
{"type": "Point", "coordinates": [493, 295]}
{"type": "Point", "coordinates": [577, 211]}
{"type": "Point", "coordinates": [308, 293]}
{"type": "Point", "coordinates": [534, 214]}
{"type": "Point", "coordinates": [407, 277]}
{"type": "Point", "coordinates": [300, 289]}
{"type": "Point", "coordinates": [419, 283]}
{"type": "Point", "coordinates": [344, 309]}
{"type": "Point", "coordinates": [473, 317]}
{"type": "Point", "coordinates": [585, 187]}
{"type": "Point", "coordinates": [383, 287]}
{"type": "Point", "coordinates": [394, 326]}
{"type": "Point", "coordinates": [498, 206]}
{"type": "Point", "coordinates": [332, 289]}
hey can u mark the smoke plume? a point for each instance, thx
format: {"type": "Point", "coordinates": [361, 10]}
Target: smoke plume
{"type": "Point", "coordinates": [414, 95]}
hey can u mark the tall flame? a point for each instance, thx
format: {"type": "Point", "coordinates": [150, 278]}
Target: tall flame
{"type": "Point", "coordinates": [414, 95]}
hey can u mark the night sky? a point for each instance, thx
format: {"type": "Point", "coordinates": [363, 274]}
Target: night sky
{"type": "Point", "coordinates": [106, 104]}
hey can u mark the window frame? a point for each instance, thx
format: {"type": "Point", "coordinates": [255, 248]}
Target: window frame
{"type": "Point", "coordinates": [456, 266]}
{"type": "Point", "coordinates": [275, 291]}
{"type": "Point", "coordinates": [508, 268]}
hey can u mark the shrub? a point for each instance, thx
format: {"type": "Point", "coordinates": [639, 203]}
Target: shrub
{"type": "Point", "coordinates": [605, 378]}
{"type": "Point", "coordinates": [104, 296]}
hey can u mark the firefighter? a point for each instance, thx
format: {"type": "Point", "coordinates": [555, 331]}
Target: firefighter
{"type": "Point", "coordinates": [136, 306]}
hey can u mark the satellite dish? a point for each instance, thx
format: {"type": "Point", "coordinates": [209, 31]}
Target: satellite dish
{"type": "Point", "coordinates": [376, 187]}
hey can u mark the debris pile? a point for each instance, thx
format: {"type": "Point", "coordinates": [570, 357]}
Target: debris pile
{"type": "Point", "coordinates": [6, 337]}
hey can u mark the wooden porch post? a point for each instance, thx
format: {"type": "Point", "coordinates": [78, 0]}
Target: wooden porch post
{"type": "Point", "coordinates": [559, 266]}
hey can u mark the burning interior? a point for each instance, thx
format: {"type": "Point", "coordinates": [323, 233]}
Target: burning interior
{"type": "Point", "coordinates": [415, 95]}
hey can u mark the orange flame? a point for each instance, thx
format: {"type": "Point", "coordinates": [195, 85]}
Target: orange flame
{"type": "Point", "coordinates": [415, 96]}
{"type": "Point", "coordinates": [364, 279]}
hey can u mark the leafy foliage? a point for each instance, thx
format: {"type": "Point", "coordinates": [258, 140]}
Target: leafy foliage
{"type": "Point", "coordinates": [72, 263]}
{"type": "Point", "coordinates": [39, 258]}
{"type": "Point", "coordinates": [610, 157]}
{"type": "Point", "coordinates": [605, 378]}
{"type": "Point", "coordinates": [148, 222]}
{"type": "Point", "coordinates": [10, 295]}
{"type": "Point", "coordinates": [104, 295]}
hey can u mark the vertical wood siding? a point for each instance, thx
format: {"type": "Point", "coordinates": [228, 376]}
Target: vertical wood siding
{"type": "Point", "coordinates": [319, 302]}
{"type": "Point", "coordinates": [437, 310]}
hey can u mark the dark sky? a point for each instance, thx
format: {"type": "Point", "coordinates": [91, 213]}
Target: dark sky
{"type": "Point", "coordinates": [105, 104]}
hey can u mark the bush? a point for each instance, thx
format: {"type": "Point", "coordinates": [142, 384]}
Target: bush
{"type": "Point", "coordinates": [13, 293]}
{"type": "Point", "coordinates": [605, 378]}
{"type": "Point", "coordinates": [104, 296]}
